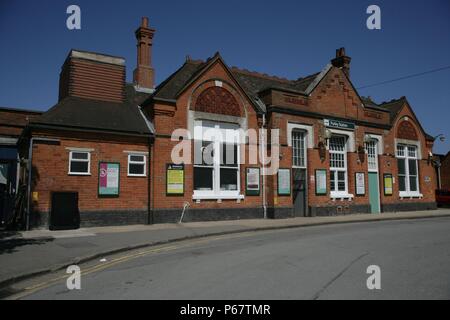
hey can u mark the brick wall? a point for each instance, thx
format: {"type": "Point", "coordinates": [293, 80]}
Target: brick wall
{"type": "Point", "coordinates": [51, 167]}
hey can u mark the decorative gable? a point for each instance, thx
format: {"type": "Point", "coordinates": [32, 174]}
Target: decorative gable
{"type": "Point", "coordinates": [217, 100]}
{"type": "Point", "coordinates": [407, 131]}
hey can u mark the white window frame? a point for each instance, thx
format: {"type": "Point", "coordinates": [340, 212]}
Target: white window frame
{"type": "Point", "coordinates": [349, 141]}
{"type": "Point", "coordinates": [406, 157]}
{"type": "Point", "coordinates": [372, 144]}
{"type": "Point", "coordinates": [144, 162]}
{"type": "Point", "coordinates": [88, 160]}
{"type": "Point", "coordinates": [294, 146]}
{"type": "Point", "coordinates": [218, 139]}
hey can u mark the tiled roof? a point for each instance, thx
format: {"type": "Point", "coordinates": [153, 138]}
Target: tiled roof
{"type": "Point", "coordinates": [251, 82]}
{"type": "Point", "coordinates": [74, 112]}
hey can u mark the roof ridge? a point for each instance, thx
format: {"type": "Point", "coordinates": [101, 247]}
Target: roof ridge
{"type": "Point", "coordinates": [392, 101]}
{"type": "Point", "coordinates": [307, 77]}
{"type": "Point", "coordinates": [260, 74]}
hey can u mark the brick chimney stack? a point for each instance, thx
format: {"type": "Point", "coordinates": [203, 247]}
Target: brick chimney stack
{"type": "Point", "coordinates": [143, 75]}
{"type": "Point", "coordinates": [342, 61]}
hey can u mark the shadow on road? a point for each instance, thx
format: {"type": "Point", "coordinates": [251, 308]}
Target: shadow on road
{"type": "Point", "coordinates": [9, 243]}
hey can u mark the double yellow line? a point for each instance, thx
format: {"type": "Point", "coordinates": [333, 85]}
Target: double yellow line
{"type": "Point", "coordinates": [104, 265]}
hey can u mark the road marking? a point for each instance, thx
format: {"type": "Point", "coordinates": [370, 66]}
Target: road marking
{"type": "Point", "coordinates": [104, 265]}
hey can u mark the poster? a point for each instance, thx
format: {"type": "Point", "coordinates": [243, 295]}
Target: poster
{"type": "Point", "coordinates": [108, 179]}
{"type": "Point", "coordinates": [321, 182]}
{"type": "Point", "coordinates": [388, 184]}
{"type": "Point", "coordinates": [284, 182]}
{"type": "Point", "coordinates": [252, 181]}
{"type": "Point", "coordinates": [175, 179]}
{"type": "Point", "coordinates": [360, 184]}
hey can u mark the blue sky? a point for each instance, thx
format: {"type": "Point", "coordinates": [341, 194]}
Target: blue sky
{"type": "Point", "coordinates": [284, 38]}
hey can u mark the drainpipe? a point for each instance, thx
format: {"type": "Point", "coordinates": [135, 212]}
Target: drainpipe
{"type": "Point", "coordinates": [263, 146]}
{"type": "Point", "coordinates": [149, 184]}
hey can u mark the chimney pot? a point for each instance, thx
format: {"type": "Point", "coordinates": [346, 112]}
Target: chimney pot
{"type": "Point", "coordinates": [342, 61]}
{"type": "Point", "coordinates": [144, 23]}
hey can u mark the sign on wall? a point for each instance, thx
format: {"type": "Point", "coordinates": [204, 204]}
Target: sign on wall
{"type": "Point", "coordinates": [388, 190]}
{"type": "Point", "coordinates": [338, 124]}
{"type": "Point", "coordinates": [252, 182]}
{"type": "Point", "coordinates": [321, 182]}
{"type": "Point", "coordinates": [284, 182]}
{"type": "Point", "coordinates": [108, 179]}
{"type": "Point", "coordinates": [175, 179]}
{"type": "Point", "coordinates": [360, 184]}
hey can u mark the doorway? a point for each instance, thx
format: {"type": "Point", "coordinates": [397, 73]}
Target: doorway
{"type": "Point", "coordinates": [7, 190]}
{"type": "Point", "coordinates": [64, 214]}
{"type": "Point", "coordinates": [299, 192]}
{"type": "Point", "coordinates": [299, 189]}
{"type": "Point", "coordinates": [374, 187]}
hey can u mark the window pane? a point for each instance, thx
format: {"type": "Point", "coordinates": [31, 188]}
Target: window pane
{"type": "Point", "coordinates": [80, 155]}
{"type": "Point", "coordinates": [400, 150]}
{"type": "Point", "coordinates": [402, 183]}
{"type": "Point", "coordinates": [203, 178]}
{"type": "Point", "coordinates": [298, 148]}
{"type": "Point", "coordinates": [79, 166]}
{"type": "Point", "coordinates": [229, 155]}
{"type": "Point", "coordinates": [137, 158]}
{"type": "Point", "coordinates": [401, 166]}
{"type": "Point", "coordinates": [136, 168]}
{"type": "Point", "coordinates": [412, 167]}
{"type": "Point", "coordinates": [204, 152]}
{"type": "Point", "coordinates": [412, 184]}
{"type": "Point", "coordinates": [411, 151]}
{"type": "Point", "coordinates": [341, 181]}
{"type": "Point", "coordinates": [332, 181]}
{"type": "Point", "coordinates": [228, 179]}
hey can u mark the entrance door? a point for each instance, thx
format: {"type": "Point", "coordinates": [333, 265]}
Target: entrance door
{"type": "Point", "coordinates": [6, 191]}
{"type": "Point", "coordinates": [64, 214]}
{"type": "Point", "coordinates": [299, 192]}
{"type": "Point", "coordinates": [299, 173]}
{"type": "Point", "coordinates": [374, 190]}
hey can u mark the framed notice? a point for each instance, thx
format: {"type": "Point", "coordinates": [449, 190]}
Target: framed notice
{"type": "Point", "coordinates": [321, 182]}
{"type": "Point", "coordinates": [108, 179]}
{"type": "Point", "coordinates": [175, 179]}
{"type": "Point", "coordinates": [284, 182]}
{"type": "Point", "coordinates": [252, 182]}
{"type": "Point", "coordinates": [388, 190]}
{"type": "Point", "coordinates": [360, 184]}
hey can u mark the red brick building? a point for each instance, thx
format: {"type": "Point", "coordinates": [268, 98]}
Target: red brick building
{"type": "Point", "coordinates": [110, 144]}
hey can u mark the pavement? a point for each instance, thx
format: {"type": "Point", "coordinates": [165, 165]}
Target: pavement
{"type": "Point", "coordinates": [31, 253]}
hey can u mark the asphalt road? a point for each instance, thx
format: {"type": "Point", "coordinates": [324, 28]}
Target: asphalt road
{"type": "Point", "coordinates": [326, 262]}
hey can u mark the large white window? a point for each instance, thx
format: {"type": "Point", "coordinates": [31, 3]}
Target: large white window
{"type": "Point", "coordinates": [79, 163]}
{"type": "Point", "coordinates": [298, 149]}
{"type": "Point", "coordinates": [408, 177]}
{"type": "Point", "coordinates": [338, 166]}
{"type": "Point", "coordinates": [216, 160]}
{"type": "Point", "coordinates": [137, 165]}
